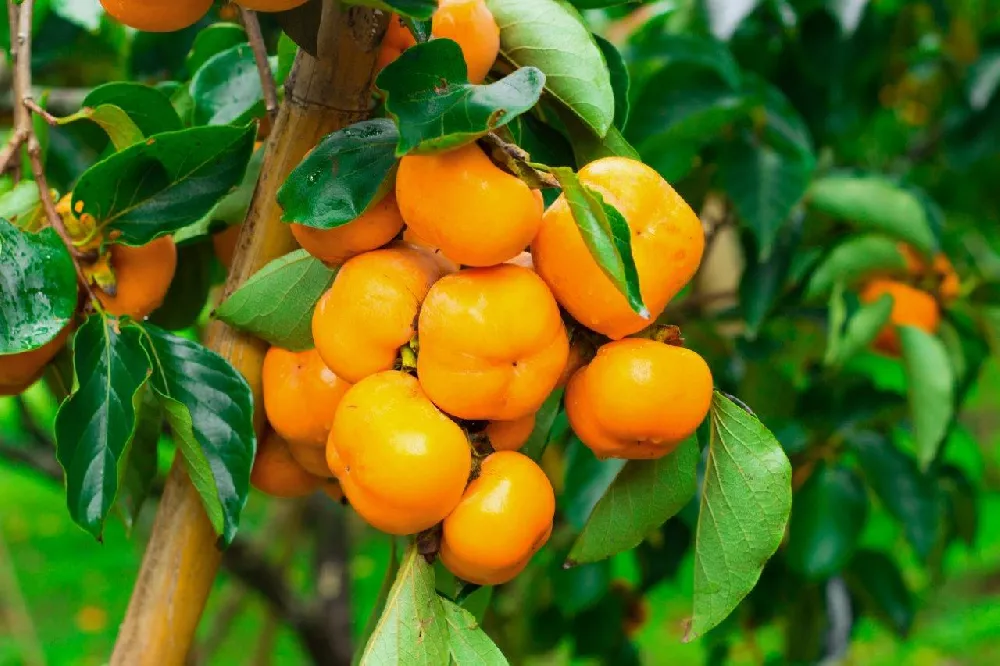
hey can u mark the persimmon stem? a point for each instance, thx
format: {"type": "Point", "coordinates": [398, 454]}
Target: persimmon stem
{"type": "Point", "coordinates": [34, 107]}
{"type": "Point", "coordinates": [267, 83]}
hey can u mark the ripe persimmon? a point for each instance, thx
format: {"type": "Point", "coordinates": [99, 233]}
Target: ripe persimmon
{"type": "Point", "coordinates": [373, 229]}
{"type": "Point", "coordinates": [492, 343]}
{"type": "Point", "coordinates": [19, 371]}
{"type": "Point", "coordinates": [462, 203]}
{"type": "Point", "coordinates": [910, 307]}
{"type": "Point", "coordinates": [939, 271]}
{"type": "Point", "coordinates": [510, 435]}
{"type": "Point", "coordinates": [224, 244]}
{"type": "Point", "coordinates": [157, 15]}
{"type": "Point", "coordinates": [467, 22]}
{"type": "Point", "coordinates": [143, 275]}
{"type": "Point", "coordinates": [639, 399]}
{"type": "Point", "coordinates": [276, 473]}
{"type": "Point", "coordinates": [504, 517]}
{"type": "Point", "coordinates": [667, 244]}
{"type": "Point", "coordinates": [270, 5]}
{"type": "Point", "coordinates": [301, 396]}
{"type": "Point", "coordinates": [370, 310]}
{"type": "Point", "coordinates": [402, 464]}
{"type": "Point", "coordinates": [311, 458]}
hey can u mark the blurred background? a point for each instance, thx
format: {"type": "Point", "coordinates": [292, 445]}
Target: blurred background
{"type": "Point", "coordinates": [741, 104]}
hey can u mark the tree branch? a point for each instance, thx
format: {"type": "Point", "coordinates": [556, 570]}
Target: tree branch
{"type": "Point", "coordinates": [267, 83]}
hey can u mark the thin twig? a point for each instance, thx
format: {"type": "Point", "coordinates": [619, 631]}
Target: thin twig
{"type": "Point", "coordinates": [267, 83]}
{"type": "Point", "coordinates": [21, 128]}
{"type": "Point", "coordinates": [32, 105]}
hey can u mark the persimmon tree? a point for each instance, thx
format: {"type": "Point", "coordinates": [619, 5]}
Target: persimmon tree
{"type": "Point", "coordinates": [825, 270]}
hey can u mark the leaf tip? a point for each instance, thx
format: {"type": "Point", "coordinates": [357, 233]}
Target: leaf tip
{"type": "Point", "coordinates": [569, 564]}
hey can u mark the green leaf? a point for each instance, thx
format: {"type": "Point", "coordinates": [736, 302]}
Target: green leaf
{"type": "Point", "coordinates": [117, 124]}
{"type": "Point", "coordinates": [724, 16]}
{"type": "Point", "coordinates": [226, 89]}
{"type": "Point", "coordinates": [962, 499]}
{"type": "Point", "coordinates": [412, 629]}
{"type": "Point", "coordinates": [209, 407]}
{"type": "Point", "coordinates": [644, 495]}
{"type": "Point", "coordinates": [148, 108]}
{"type": "Point", "coordinates": [467, 642]}
{"type": "Point", "coordinates": [96, 424]}
{"type": "Point", "coordinates": [908, 494]}
{"type": "Point", "coordinates": [862, 328]}
{"type": "Point", "coordinates": [383, 596]}
{"type": "Point", "coordinates": [852, 260]}
{"type": "Point", "coordinates": [877, 581]}
{"type": "Point", "coordinates": [588, 147]}
{"type": "Point", "coordinates": [86, 15]}
{"type": "Point", "coordinates": [277, 302]}
{"type": "Point", "coordinates": [419, 9]}
{"type": "Point", "coordinates": [37, 288]}
{"type": "Point", "coordinates": [587, 480]}
{"type": "Point", "coordinates": [848, 14]}
{"type": "Point", "coordinates": [21, 203]}
{"type": "Point", "coordinates": [140, 459]}
{"type": "Point", "coordinates": [930, 389]}
{"type": "Point", "coordinates": [764, 280]}
{"type": "Point", "coordinates": [764, 186]}
{"type": "Point", "coordinates": [166, 183]}
{"type": "Point", "coordinates": [349, 171]}
{"type": "Point", "coordinates": [428, 94]}
{"type": "Point", "coordinates": [606, 234]}
{"type": "Point", "coordinates": [544, 418]}
{"type": "Point", "coordinates": [287, 50]}
{"type": "Point", "coordinates": [550, 35]}
{"type": "Point", "coordinates": [872, 202]}
{"type": "Point", "coordinates": [212, 40]}
{"type": "Point", "coordinates": [746, 499]}
{"type": "Point", "coordinates": [188, 293]}
{"type": "Point", "coordinates": [619, 79]}
{"type": "Point", "coordinates": [654, 50]}
{"type": "Point", "coordinates": [828, 515]}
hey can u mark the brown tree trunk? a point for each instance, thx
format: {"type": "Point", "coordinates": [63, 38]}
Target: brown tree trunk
{"type": "Point", "coordinates": [323, 94]}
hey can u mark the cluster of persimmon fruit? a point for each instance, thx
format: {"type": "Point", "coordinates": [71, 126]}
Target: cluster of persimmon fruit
{"type": "Point", "coordinates": [173, 15]}
{"type": "Point", "coordinates": [917, 296]}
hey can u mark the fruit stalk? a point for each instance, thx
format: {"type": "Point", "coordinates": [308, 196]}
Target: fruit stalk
{"type": "Point", "coordinates": [323, 94]}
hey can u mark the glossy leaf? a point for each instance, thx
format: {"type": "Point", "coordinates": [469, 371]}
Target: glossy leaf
{"type": "Point", "coordinates": [745, 503]}
{"type": "Point", "coordinates": [619, 79]}
{"type": "Point", "coordinates": [828, 515]}
{"type": "Point", "coordinates": [871, 202]}
{"type": "Point", "coordinates": [38, 289]}
{"type": "Point", "coordinates": [851, 260]}
{"type": "Point", "coordinates": [96, 424]}
{"type": "Point", "coordinates": [428, 94]}
{"type": "Point", "coordinates": [550, 35]}
{"type": "Point", "coordinates": [209, 407]}
{"type": "Point", "coordinates": [879, 583]}
{"type": "Point", "coordinates": [148, 108]}
{"type": "Point", "coordinates": [908, 494]}
{"type": "Point", "coordinates": [861, 329]}
{"type": "Point", "coordinates": [644, 495]}
{"type": "Point", "coordinates": [166, 183]}
{"type": "Point", "coordinates": [226, 89]}
{"type": "Point", "coordinates": [930, 389]}
{"type": "Point", "coordinates": [213, 40]}
{"type": "Point", "coordinates": [277, 302]}
{"type": "Point", "coordinates": [412, 629]}
{"type": "Point", "coordinates": [467, 642]}
{"type": "Point", "coordinates": [606, 234]}
{"type": "Point", "coordinates": [724, 16]}
{"type": "Point", "coordinates": [349, 171]}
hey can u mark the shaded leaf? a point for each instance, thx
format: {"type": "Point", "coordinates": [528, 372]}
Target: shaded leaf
{"type": "Point", "coordinates": [930, 389]}
{"type": "Point", "coordinates": [21, 203]}
{"type": "Point", "coordinates": [848, 13]}
{"type": "Point", "coordinates": [419, 9]}
{"type": "Point", "coordinates": [188, 293]}
{"type": "Point", "coordinates": [544, 418]}
{"type": "Point", "coordinates": [277, 302]}
{"type": "Point", "coordinates": [149, 108]}
{"type": "Point", "coordinates": [852, 260]}
{"type": "Point", "coordinates": [746, 499]}
{"type": "Point", "coordinates": [587, 480]}
{"type": "Point", "coordinates": [212, 40]}
{"type": "Point", "coordinates": [861, 330]}
{"type": "Point", "coordinates": [467, 642]}
{"type": "Point", "coordinates": [724, 16]}
{"type": "Point", "coordinates": [428, 94]}
{"type": "Point", "coordinates": [877, 581]}
{"type": "Point", "coordinates": [141, 459]}
{"type": "Point", "coordinates": [379, 607]}
{"type": "Point", "coordinates": [349, 171]}
{"type": "Point", "coordinates": [226, 89]}
{"type": "Point", "coordinates": [619, 79]}
{"type": "Point", "coordinates": [983, 80]}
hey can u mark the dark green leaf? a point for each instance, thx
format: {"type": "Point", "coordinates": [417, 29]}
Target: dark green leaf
{"type": "Point", "coordinates": [209, 407]}
{"type": "Point", "coordinates": [764, 185]}
{"type": "Point", "coordinates": [746, 499]}
{"type": "Point", "coordinates": [212, 40]}
{"type": "Point", "coordinates": [588, 147]}
{"type": "Point", "coordinates": [852, 260]}
{"type": "Point", "coordinates": [467, 642]}
{"type": "Point", "coordinates": [828, 515]}
{"type": "Point", "coordinates": [656, 49]}
{"type": "Point", "coordinates": [420, 9]}
{"type": "Point", "coordinates": [724, 16]}
{"type": "Point", "coordinates": [606, 234]}
{"type": "Point", "coordinates": [908, 494]}
{"type": "Point", "coordinates": [383, 595]}
{"type": "Point", "coordinates": [878, 583]}
{"type": "Point", "coordinates": [587, 479]}
{"type": "Point", "coordinates": [96, 425]}
{"type": "Point", "coordinates": [575, 589]}
{"type": "Point", "coordinates": [550, 35]}
{"type": "Point", "coordinates": [189, 289]}
{"type": "Point", "coordinates": [872, 202]}
{"type": "Point", "coordinates": [37, 288]}
{"type": "Point", "coordinates": [165, 183]}
{"type": "Point", "coordinates": [963, 507]}
{"type": "Point", "coordinates": [764, 280]}
{"type": "Point", "coordinates": [861, 329]}
{"type": "Point", "coordinates": [644, 495]}
{"type": "Point", "coordinates": [148, 108]}
{"type": "Point", "coordinates": [226, 89]}
{"type": "Point", "coordinates": [619, 79]}
{"type": "Point", "coordinates": [427, 92]}
{"type": "Point", "coordinates": [930, 389]}
{"type": "Point", "coordinates": [544, 418]}
{"type": "Point", "coordinates": [348, 171]}
{"type": "Point", "coordinates": [141, 460]}
{"type": "Point", "coordinates": [412, 629]}
{"type": "Point", "coordinates": [277, 302]}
